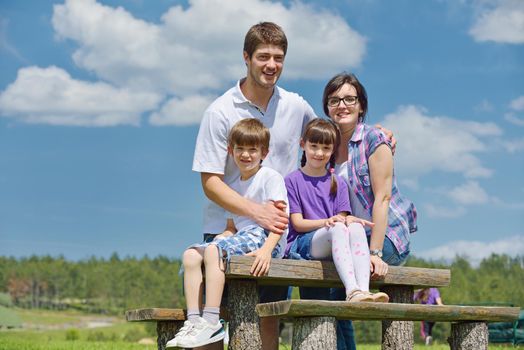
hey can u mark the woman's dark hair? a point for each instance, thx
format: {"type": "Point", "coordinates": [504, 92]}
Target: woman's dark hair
{"type": "Point", "coordinates": [336, 83]}
{"type": "Point", "coordinates": [325, 132]}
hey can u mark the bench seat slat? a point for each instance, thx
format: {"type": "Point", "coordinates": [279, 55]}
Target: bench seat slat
{"type": "Point", "coordinates": [323, 274]}
{"type": "Point", "coordinates": [387, 311]}
{"type": "Point", "coordinates": [156, 314]}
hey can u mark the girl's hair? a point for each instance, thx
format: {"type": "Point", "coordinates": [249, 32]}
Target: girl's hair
{"type": "Point", "coordinates": [249, 132]}
{"type": "Point", "coordinates": [323, 131]}
{"type": "Point", "coordinates": [336, 83]}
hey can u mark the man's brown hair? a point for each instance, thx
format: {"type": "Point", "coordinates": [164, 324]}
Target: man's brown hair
{"type": "Point", "coordinates": [264, 33]}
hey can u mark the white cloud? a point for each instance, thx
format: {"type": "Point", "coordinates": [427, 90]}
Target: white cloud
{"type": "Point", "coordinates": [500, 21]}
{"type": "Point", "coordinates": [513, 146]}
{"type": "Point", "coordinates": [517, 104]}
{"type": "Point", "coordinates": [433, 143]}
{"type": "Point", "coordinates": [508, 205]}
{"type": "Point", "coordinates": [513, 119]}
{"type": "Point", "coordinates": [468, 193]}
{"type": "Point", "coordinates": [484, 106]}
{"type": "Point", "coordinates": [447, 212]}
{"type": "Point", "coordinates": [51, 96]}
{"type": "Point", "coordinates": [192, 53]}
{"type": "Point", "coordinates": [181, 111]}
{"type": "Point", "coordinates": [475, 251]}
{"type": "Point", "coordinates": [200, 47]}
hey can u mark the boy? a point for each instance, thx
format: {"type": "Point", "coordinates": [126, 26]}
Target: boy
{"type": "Point", "coordinates": [248, 145]}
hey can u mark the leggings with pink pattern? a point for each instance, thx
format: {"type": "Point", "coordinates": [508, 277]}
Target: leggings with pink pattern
{"type": "Point", "coordinates": [348, 248]}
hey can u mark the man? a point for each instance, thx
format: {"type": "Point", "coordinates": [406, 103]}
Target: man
{"type": "Point", "coordinates": [284, 113]}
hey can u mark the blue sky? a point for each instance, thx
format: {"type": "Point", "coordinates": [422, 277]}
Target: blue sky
{"type": "Point", "coordinates": [100, 103]}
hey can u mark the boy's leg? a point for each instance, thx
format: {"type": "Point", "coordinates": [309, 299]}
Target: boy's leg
{"type": "Point", "coordinates": [215, 277]}
{"type": "Point", "coordinates": [208, 238]}
{"type": "Point", "coordinates": [192, 260]}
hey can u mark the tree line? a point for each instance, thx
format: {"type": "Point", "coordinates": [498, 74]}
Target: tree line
{"type": "Point", "coordinates": [116, 284]}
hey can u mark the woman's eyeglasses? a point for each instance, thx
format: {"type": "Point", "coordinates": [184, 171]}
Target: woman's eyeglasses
{"type": "Point", "coordinates": [348, 101]}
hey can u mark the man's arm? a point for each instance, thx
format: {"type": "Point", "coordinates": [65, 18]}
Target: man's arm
{"type": "Point", "coordinates": [270, 216]}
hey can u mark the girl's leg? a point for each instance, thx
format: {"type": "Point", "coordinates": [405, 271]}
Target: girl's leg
{"type": "Point", "coordinates": [215, 280]}
{"type": "Point", "coordinates": [192, 260]}
{"type": "Point", "coordinates": [334, 242]}
{"type": "Point", "coordinates": [360, 255]}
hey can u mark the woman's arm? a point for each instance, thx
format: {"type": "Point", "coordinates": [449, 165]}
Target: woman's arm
{"type": "Point", "coordinates": [381, 173]}
{"type": "Point", "coordinates": [305, 225]}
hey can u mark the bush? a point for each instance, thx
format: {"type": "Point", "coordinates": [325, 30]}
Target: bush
{"type": "Point", "coordinates": [72, 334]}
{"type": "Point", "coordinates": [5, 300]}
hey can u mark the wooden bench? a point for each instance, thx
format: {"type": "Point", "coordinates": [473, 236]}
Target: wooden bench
{"type": "Point", "coordinates": [399, 284]}
{"type": "Point", "coordinates": [314, 321]}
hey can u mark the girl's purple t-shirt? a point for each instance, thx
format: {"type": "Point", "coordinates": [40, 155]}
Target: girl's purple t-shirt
{"type": "Point", "coordinates": [310, 196]}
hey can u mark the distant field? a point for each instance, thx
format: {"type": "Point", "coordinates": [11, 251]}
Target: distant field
{"type": "Point", "coordinates": [52, 330]}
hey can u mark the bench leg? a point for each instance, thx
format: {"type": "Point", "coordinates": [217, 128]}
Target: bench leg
{"type": "Point", "coordinates": [244, 332]}
{"type": "Point", "coordinates": [398, 335]}
{"type": "Point", "coordinates": [469, 336]}
{"type": "Point", "coordinates": [314, 333]}
{"type": "Point", "coordinates": [166, 331]}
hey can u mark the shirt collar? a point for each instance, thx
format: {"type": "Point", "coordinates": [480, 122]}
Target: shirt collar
{"type": "Point", "coordinates": [358, 134]}
{"type": "Point", "coordinates": [238, 96]}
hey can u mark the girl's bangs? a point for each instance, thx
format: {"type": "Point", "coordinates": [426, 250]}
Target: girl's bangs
{"type": "Point", "coordinates": [320, 135]}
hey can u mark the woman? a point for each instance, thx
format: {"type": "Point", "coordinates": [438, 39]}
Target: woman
{"type": "Point", "coordinates": [365, 161]}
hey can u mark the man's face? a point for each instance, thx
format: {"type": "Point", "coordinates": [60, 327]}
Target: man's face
{"type": "Point", "coordinates": [265, 65]}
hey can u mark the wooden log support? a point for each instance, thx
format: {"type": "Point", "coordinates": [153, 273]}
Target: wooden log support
{"type": "Point", "coordinates": [469, 336]}
{"type": "Point", "coordinates": [313, 333]}
{"type": "Point", "coordinates": [398, 335]}
{"type": "Point", "coordinates": [166, 331]}
{"type": "Point", "coordinates": [244, 332]}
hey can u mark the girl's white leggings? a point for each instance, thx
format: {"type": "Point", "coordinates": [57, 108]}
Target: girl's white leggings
{"type": "Point", "coordinates": [348, 247]}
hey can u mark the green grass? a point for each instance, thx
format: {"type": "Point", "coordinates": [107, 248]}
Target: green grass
{"type": "Point", "coordinates": [48, 317]}
{"type": "Point", "coordinates": [120, 336]}
{"type": "Point", "coordinates": [9, 317]}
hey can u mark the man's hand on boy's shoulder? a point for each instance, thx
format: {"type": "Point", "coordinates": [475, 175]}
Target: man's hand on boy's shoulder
{"type": "Point", "coordinates": [389, 135]}
{"type": "Point", "coordinates": [271, 216]}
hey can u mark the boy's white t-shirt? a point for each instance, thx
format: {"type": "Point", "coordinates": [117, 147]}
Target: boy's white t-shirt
{"type": "Point", "coordinates": [265, 185]}
{"type": "Point", "coordinates": [286, 116]}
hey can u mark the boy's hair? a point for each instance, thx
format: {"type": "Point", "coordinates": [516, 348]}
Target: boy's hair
{"type": "Point", "coordinates": [249, 132]}
{"type": "Point", "coordinates": [325, 132]}
{"type": "Point", "coordinates": [264, 33]}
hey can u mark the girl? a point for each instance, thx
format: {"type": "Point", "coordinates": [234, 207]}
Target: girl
{"type": "Point", "coordinates": [319, 207]}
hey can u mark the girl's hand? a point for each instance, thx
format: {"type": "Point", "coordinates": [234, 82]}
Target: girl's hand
{"type": "Point", "coordinates": [262, 262]}
{"type": "Point", "coordinates": [334, 219]}
{"type": "Point", "coordinates": [378, 267]}
{"type": "Point", "coordinates": [350, 219]}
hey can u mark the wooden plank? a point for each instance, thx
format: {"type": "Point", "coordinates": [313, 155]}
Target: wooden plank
{"type": "Point", "coordinates": [387, 311]}
{"type": "Point", "coordinates": [156, 314]}
{"type": "Point", "coordinates": [323, 274]}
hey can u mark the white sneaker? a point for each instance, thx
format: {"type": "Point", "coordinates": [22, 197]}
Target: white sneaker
{"type": "Point", "coordinates": [201, 333]}
{"type": "Point", "coordinates": [182, 331]}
